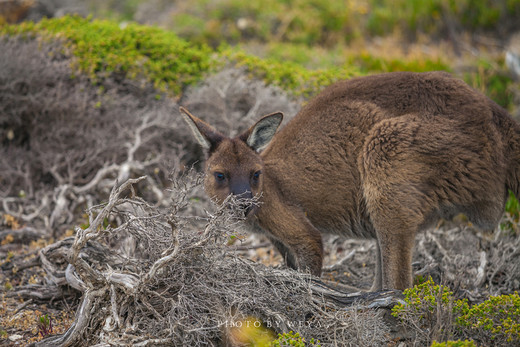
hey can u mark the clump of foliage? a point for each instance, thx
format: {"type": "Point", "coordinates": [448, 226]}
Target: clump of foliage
{"type": "Point", "coordinates": [249, 331]}
{"type": "Point", "coordinates": [369, 64]}
{"type": "Point", "coordinates": [293, 339]}
{"type": "Point", "coordinates": [427, 311]}
{"type": "Point", "coordinates": [494, 321]}
{"type": "Point", "coordinates": [148, 54]}
{"type": "Point", "coordinates": [458, 343]}
{"type": "Point", "coordinates": [492, 79]}
{"type": "Point", "coordinates": [103, 48]}
{"type": "Point", "coordinates": [287, 75]}
{"type": "Point", "coordinates": [107, 49]}
{"type": "Point", "coordinates": [432, 313]}
{"type": "Point", "coordinates": [45, 325]}
{"type": "Point", "coordinates": [512, 214]}
{"type": "Point", "coordinates": [436, 17]}
{"type": "Point", "coordinates": [329, 23]}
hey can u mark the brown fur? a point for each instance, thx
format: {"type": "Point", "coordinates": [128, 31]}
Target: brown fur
{"type": "Point", "coordinates": [378, 157]}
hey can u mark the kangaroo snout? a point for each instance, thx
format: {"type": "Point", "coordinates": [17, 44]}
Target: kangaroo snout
{"type": "Point", "coordinates": [242, 191]}
{"type": "Point", "coordinates": [244, 199]}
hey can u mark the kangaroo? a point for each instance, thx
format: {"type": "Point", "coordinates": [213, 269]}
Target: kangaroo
{"type": "Point", "coordinates": [382, 157]}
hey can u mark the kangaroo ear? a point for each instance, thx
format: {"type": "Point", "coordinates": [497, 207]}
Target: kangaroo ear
{"type": "Point", "coordinates": [259, 135]}
{"type": "Point", "coordinates": [206, 135]}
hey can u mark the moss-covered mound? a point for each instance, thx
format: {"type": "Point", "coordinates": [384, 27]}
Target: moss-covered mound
{"type": "Point", "coordinates": [103, 48]}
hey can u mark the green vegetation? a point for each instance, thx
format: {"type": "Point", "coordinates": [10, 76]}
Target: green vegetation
{"type": "Point", "coordinates": [329, 22]}
{"type": "Point", "coordinates": [496, 319]}
{"type": "Point", "coordinates": [293, 339]}
{"type": "Point", "coordinates": [324, 35]}
{"type": "Point", "coordinates": [372, 64]}
{"type": "Point", "coordinates": [458, 343]}
{"type": "Point", "coordinates": [423, 299]}
{"type": "Point", "coordinates": [493, 322]}
{"type": "Point", "coordinates": [492, 79]}
{"type": "Point", "coordinates": [433, 17]}
{"type": "Point", "coordinates": [44, 325]}
{"type": "Point", "coordinates": [512, 214]}
{"type": "Point", "coordinates": [103, 47]}
{"type": "Point", "coordinates": [287, 75]}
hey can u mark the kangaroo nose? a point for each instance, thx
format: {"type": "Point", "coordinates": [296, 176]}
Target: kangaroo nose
{"type": "Point", "coordinates": [242, 191]}
{"type": "Point", "coordinates": [243, 194]}
{"type": "Point", "coordinates": [244, 200]}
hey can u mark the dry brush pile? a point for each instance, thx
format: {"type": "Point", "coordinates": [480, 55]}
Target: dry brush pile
{"type": "Point", "coordinates": [158, 278]}
{"type": "Point", "coordinates": [152, 261]}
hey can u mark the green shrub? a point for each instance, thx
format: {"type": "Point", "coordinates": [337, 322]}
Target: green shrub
{"type": "Point", "coordinates": [432, 313]}
{"type": "Point", "coordinates": [427, 311]}
{"type": "Point", "coordinates": [458, 343]}
{"type": "Point", "coordinates": [423, 298]}
{"type": "Point", "coordinates": [375, 64]}
{"type": "Point", "coordinates": [495, 321]}
{"type": "Point", "coordinates": [434, 16]}
{"type": "Point", "coordinates": [289, 76]}
{"type": "Point", "coordinates": [492, 79]}
{"type": "Point", "coordinates": [105, 48]}
{"type": "Point", "coordinates": [293, 339]}
{"type": "Point", "coordinates": [512, 214]}
{"type": "Point", "coordinates": [329, 23]}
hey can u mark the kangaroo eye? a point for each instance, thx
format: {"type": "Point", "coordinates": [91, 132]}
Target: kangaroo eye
{"type": "Point", "coordinates": [256, 175]}
{"type": "Point", "coordinates": [219, 176]}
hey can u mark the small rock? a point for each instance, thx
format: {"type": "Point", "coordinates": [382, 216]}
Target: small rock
{"type": "Point", "coordinates": [513, 56]}
{"type": "Point", "coordinates": [15, 337]}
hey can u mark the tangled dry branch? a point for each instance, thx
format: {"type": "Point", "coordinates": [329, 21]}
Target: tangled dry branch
{"type": "Point", "coordinates": [170, 279]}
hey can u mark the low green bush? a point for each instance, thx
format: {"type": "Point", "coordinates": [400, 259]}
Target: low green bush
{"type": "Point", "coordinates": [458, 343]}
{"type": "Point", "coordinates": [329, 22]}
{"type": "Point", "coordinates": [492, 79]}
{"type": "Point", "coordinates": [293, 339]}
{"type": "Point", "coordinates": [289, 76]}
{"type": "Point", "coordinates": [512, 216]}
{"type": "Point", "coordinates": [432, 312]}
{"type": "Point", "coordinates": [376, 64]}
{"type": "Point", "coordinates": [436, 17]}
{"type": "Point", "coordinates": [103, 48]}
{"type": "Point", "coordinates": [494, 321]}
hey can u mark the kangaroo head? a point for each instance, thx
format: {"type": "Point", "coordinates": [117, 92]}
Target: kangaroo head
{"type": "Point", "coordinates": [234, 165]}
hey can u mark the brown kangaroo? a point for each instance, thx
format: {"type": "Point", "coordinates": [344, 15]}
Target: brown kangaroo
{"type": "Point", "coordinates": [379, 157]}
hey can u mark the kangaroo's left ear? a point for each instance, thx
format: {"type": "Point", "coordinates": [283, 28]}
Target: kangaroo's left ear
{"type": "Point", "coordinates": [259, 135]}
{"type": "Point", "coordinates": [208, 137]}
